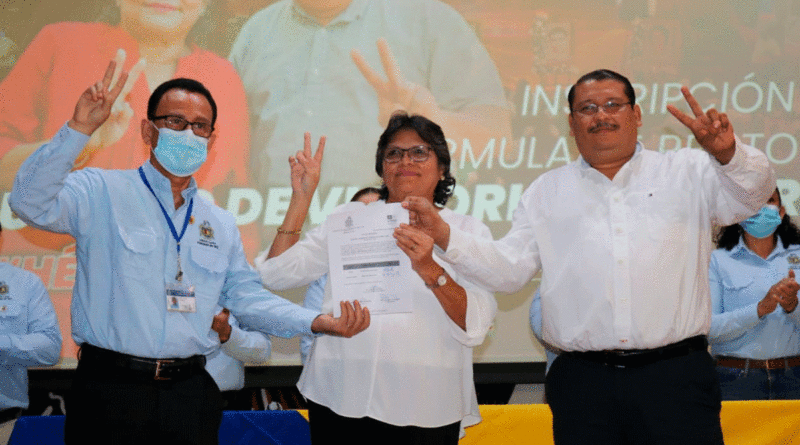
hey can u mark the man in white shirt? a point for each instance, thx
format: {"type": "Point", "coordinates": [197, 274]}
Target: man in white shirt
{"type": "Point", "coordinates": [623, 237]}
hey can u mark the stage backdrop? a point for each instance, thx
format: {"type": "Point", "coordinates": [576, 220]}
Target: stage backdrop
{"type": "Point", "coordinates": [495, 74]}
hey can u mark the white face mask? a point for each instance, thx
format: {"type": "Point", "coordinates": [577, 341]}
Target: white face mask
{"type": "Point", "coordinates": [181, 153]}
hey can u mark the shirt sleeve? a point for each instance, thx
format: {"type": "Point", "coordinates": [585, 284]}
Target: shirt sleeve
{"type": "Point", "coordinates": [504, 265]}
{"type": "Point", "coordinates": [41, 344]}
{"type": "Point", "coordinates": [727, 326]}
{"type": "Point", "coordinates": [315, 294]}
{"type": "Point", "coordinates": [299, 265]}
{"type": "Point", "coordinates": [255, 307]}
{"type": "Point", "coordinates": [745, 185]}
{"type": "Point", "coordinates": [45, 194]}
{"type": "Point", "coordinates": [247, 346]}
{"type": "Point", "coordinates": [481, 304]}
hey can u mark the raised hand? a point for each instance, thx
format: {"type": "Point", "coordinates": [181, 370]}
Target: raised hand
{"type": "Point", "coordinates": [353, 320]}
{"type": "Point", "coordinates": [783, 293]}
{"type": "Point", "coordinates": [118, 122]}
{"type": "Point", "coordinates": [306, 168]}
{"type": "Point", "coordinates": [425, 217]}
{"type": "Point", "coordinates": [94, 105]}
{"type": "Point", "coordinates": [395, 93]}
{"type": "Point", "coordinates": [417, 244]}
{"type": "Point", "coordinates": [712, 130]}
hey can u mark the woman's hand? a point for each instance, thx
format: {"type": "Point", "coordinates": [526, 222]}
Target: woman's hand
{"type": "Point", "coordinates": [306, 168]}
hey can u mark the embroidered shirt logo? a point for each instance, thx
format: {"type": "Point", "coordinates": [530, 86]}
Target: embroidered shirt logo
{"type": "Point", "coordinates": [207, 235]}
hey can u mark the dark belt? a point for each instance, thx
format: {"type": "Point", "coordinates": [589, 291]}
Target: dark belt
{"type": "Point", "coordinates": [748, 363]}
{"type": "Point", "coordinates": [9, 414]}
{"type": "Point", "coordinates": [635, 358]}
{"type": "Point", "coordinates": [99, 359]}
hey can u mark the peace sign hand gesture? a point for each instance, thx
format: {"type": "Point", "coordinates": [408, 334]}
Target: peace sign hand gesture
{"type": "Point", "coordinates": [306, 168]}
{"type": "Point", "coordinates": [94, 105]}
{"type": "Point", "coordinates": [712, 130]}
{"type": "Point", "coordinates": [395, 92]}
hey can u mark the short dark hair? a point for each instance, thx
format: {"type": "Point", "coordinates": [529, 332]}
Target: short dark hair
{"type": "Point", "coordinates": [787, 232]}
{"type": "Point", "coordinates": [181, 83]}
{"type": "Point", "coordinates": [603, 74]}
{"type": "Point", "coordinates": [365, 191]}
{"type": "Point", "coordinates": [429, 132]}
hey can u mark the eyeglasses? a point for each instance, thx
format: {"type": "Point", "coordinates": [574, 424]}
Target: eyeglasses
{"type": "Point", "coordinates": [610, 107]}
{"type": "Point", "coordinates": [177, 123]}
{"type": "Point", "coordinates": [419, 153]}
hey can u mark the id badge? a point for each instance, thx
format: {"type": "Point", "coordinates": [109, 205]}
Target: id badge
{"type": "Point", "coordinates": [180, 298]}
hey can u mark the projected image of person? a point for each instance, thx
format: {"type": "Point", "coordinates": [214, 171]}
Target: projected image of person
{"type": "Point", "coordinates": [622, 239]}
{"type": "Point", "coordinates": [409, 375]}
{"type": "Point", "coordinates": [155, 42]}
{"type": "Point", "coordinates": [755, 329]}
{"type": "Point", "coordinates": [341, 67]}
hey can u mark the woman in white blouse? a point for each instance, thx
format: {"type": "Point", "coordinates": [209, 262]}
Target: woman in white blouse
{"type": "Point", "coordinates": [408, 377]}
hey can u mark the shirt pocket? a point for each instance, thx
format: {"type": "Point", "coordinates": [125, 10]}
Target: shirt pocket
{"type": "Point", "coordinates": [665, 213]}
{"type": "Point", "coordinates": [138, 257]}
{"type": "Point", "coordinates": [739, 291]}
{"type": "Point", "coordinates": [12, 319]}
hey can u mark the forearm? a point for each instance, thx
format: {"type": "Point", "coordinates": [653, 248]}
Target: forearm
{"type": "Point", "coordinates": [290, 230]}
{"type": "Point", "coordinates": [13, 159]}
{"type": "Point", "coordinates": [451, 295]}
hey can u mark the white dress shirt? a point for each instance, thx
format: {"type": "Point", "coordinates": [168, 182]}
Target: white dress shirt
{"type": "Point", "coordinates": [405, 369]}
{"type": "Point", "coordinates": [625, 261]}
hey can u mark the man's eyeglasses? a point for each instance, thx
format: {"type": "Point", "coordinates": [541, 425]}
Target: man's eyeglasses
{"type": "Point", "coordinates": [419, 153]}
{"type": "Point", "coordinates": [177, 123]}
{"type": "Point", "coordinates": [610, 107]}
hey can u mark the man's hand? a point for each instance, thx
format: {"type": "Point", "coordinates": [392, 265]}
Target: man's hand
{"type": "Point", "coordinates": [712, 130]}
{"type": "Point", "coordinates": [222, 326]}
{"type": "Point", "coordinates": [395, 93]}
{"type": "Point", "coordinates": [306, 168]}
{"type": "Point", "coordinates": [118, 122]}
{"type": "Point", "coordinates": [425, 217]}
{"type": "Point", "coordinates": [353, 320]}
{"type": "Point", "coordinates": [94, 105]}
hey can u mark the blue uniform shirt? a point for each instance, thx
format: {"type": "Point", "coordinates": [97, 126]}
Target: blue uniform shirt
{"type": "Point", "coordinates": [126, 255]}
{"type": "Point", "coordinates": [738, 280]}
{"type": "Point", "coordinates": [29, 333]}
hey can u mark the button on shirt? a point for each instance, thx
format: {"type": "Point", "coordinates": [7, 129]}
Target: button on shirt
{"type": "Point", "coordinates": [126, 255]}
{"type": "Point", "coordinates": [299, 77]}
{"type": "Point", "coordinates": [625, 261]}
{"type": "Point", "coordinates": [739, 279]}
{"type": "Point", "coordinates": [29, 332]}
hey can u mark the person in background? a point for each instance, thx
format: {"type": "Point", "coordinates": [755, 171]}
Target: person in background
{"type": "Point", "coordinates": [155, 42]}
{"type": "Point", "coordinates": [144, 236]}
{"type": "Point", "coordinates": [237, 347]}
{"type": "Point", "coordinates": [29, 336]}
{"type": "Point", "coordinates": [755, 327]}
{"type": "Point", "coordinates": [342, 67]}
{"type": "Point", "coordinates": [409, 376]}
{"type": "Point", "coordinates": [315, 293]}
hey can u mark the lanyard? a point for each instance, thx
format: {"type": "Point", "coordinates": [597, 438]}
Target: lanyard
{"type": "Point", "coordinates": [172, 229]}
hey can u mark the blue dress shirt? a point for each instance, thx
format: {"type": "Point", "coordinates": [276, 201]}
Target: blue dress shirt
{"type": "Point", "coordinates": [738, 280]}
{"type": "Point", "coordinates": [29, 333]}
{"type": "Point", "coordinates": [126, 255]}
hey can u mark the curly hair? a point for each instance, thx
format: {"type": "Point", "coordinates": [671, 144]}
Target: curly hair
{"type": "Point", "coordinates": [429, 132]}
{"type": "Point", "coordinates": [787, 232]}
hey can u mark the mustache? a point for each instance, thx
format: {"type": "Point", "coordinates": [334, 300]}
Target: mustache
{"type": "Point", "coordinates": [603, 125]}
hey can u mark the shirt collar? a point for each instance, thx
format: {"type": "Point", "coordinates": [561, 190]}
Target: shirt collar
{"type": "Point", "coordinates": [161, 185]}
{"type": "Point", "coordinates": [742, 249]}
{"type": "Point", "coordinates": [354, 11]}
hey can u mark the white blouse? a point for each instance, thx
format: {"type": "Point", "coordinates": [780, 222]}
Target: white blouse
{"type": "Point", "coordinates": [405, 369]}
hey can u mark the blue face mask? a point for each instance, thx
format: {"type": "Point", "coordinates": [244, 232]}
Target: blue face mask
{"type": "Point", "coordinates": [764, 223]}
{"type": "Point", "coordinates": [180, 152]}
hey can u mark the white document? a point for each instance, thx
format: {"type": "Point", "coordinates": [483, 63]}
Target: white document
{"type": "Point", "coordinates": [365, 262]}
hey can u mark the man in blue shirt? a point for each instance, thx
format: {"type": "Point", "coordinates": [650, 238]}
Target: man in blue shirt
{"type": "Point", "coordinates": [29, 336]}
{"type": "Point", "coordinates": [154, 261]}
